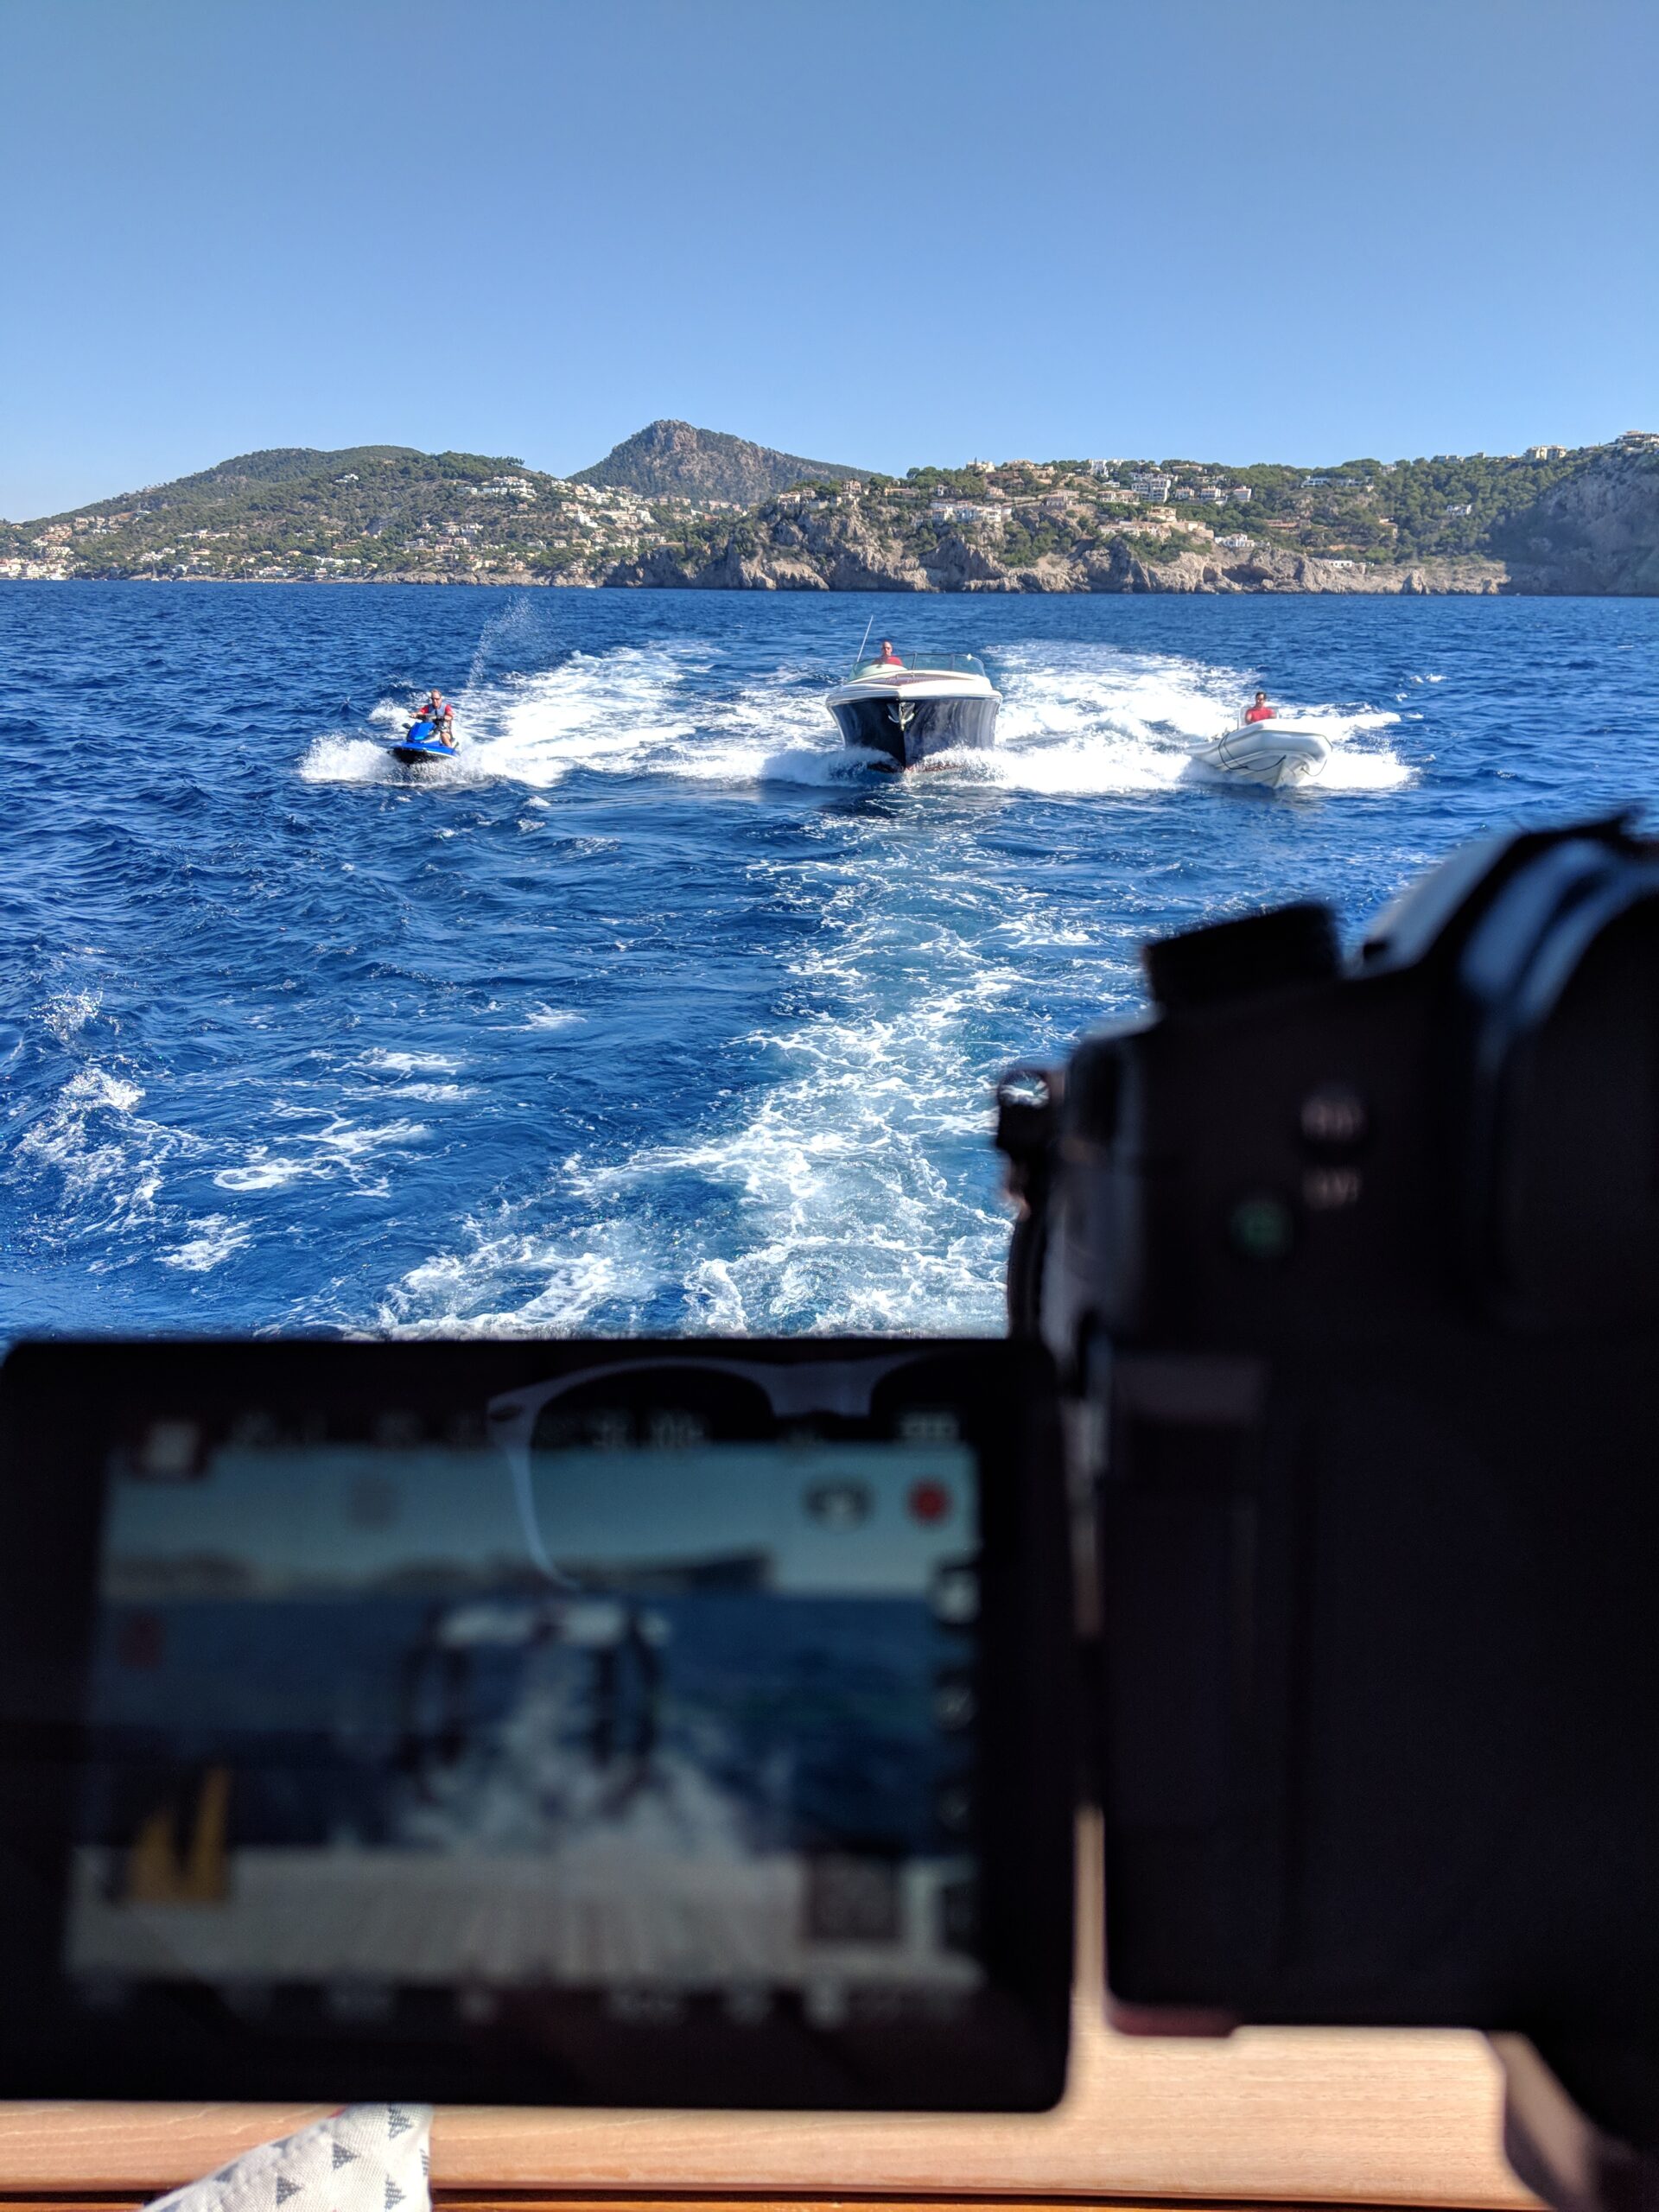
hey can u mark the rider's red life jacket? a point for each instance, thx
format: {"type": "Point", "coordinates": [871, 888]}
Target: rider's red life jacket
{"type": "Point", "coordinates": [1259, 714]}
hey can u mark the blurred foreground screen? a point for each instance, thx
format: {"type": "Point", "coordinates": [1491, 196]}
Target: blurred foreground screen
{"type": "Point", "coordinates": [542, 1699]}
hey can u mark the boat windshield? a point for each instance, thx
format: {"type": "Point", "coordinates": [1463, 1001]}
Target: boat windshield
{"type": "Point", "coordinates": [924, 663]}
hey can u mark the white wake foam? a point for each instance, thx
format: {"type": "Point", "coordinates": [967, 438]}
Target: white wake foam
{"type": "Point", "coordinates": [66, 1014]}
{"type": "Point", "coordinates": [338, 757]}
{"type": "Point", "coordinates": [853, 1191]}
{"type": "Point", "coordinates": [108, 1158]}
{"type": "Point", "coordinates": [631, 711]}
{"type": "Point", "coordinates": [1084, 720]}
{"type": "Point", "coordinates": [1077, 722]}
{"type": "Point", "coordinates": [851, 1187]}
{"type": "Point", "coordinates": [411, 1063]}
{"type": "Point", "coordinates": [508, 1278]}
{"type": "Point", "coordinates": [342, 1148]}
{"type": "Point", "coordinates": [217, 1238]}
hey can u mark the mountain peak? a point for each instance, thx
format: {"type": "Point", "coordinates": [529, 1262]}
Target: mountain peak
{"type": "Point", "coordinates": [670, 459]}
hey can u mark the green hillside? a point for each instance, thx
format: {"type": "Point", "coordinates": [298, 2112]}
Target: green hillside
{"type": "Point", "coordinates": [657, 512]}
{"type": "Point", "coordinates": [382, 512]}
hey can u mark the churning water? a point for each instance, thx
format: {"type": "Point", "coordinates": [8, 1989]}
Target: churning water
{"type": "Point", "coordinates": [655, 1009]}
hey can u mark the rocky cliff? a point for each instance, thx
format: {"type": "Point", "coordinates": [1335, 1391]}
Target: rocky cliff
{"type": "Point", "coordinates": [841, 543]}
{"type": "Point", "coordinates": [668, 460]}
{"type": "Point", "coordinates": [1598, 531]}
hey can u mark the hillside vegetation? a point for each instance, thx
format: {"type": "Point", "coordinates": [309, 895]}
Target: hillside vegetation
{"type": "Point", "coordinates": [1583, 521]}
{"type": "Point", "coordinates": [365, 513]}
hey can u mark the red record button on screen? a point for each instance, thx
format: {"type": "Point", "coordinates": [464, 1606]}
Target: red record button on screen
{"type": "Point", "coordinates": [929, 1501]}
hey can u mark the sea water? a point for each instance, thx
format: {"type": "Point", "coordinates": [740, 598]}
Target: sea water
{"type": "Point", "coordinates": [657, 1010]}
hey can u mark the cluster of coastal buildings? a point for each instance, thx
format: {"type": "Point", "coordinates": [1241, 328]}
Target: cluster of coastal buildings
{"type": "Point", "coordinates": [1159, 491]}
{"type": "Point", "coordinates": [1157, 485]}
{"type": "Point", "coordinates": [1149, 487]}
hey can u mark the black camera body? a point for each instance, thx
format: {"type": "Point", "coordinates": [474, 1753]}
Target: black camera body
{"type": "Point", "coordinates": [1351, 1271]}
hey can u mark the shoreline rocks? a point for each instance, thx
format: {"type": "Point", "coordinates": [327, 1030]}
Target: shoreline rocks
{"type": "Point", "coordinates": [863, 562]}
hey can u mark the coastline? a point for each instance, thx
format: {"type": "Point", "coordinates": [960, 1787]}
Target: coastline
{"type": "Point", "coordinates": [1579, 525]}
{"type": "Point", "coordinates": [1486, 579]}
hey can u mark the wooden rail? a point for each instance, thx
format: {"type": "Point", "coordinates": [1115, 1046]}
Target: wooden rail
{"type": "Point", "coordinates": [1271, 2115]}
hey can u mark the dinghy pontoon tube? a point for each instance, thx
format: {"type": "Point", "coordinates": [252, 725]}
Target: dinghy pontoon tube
{"type": "Point", "coordinates": [1273, 753]}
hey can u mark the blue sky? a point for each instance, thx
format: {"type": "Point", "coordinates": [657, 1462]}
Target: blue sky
{"type": "Point", "coordinates": [883, 234]}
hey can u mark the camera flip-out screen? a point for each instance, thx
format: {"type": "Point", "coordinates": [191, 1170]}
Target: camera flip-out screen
{"type": "Point", "coordinates": [635, 1723]}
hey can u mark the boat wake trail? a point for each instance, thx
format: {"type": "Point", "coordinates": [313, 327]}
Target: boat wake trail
{"type": "Point", "coordinates": [1077, 722]}
{"type": "Point", "coordinates": [634, 711]}
{"type": "Point", "coordinates": [852, 1187]}
{"type": "Point", "coordinates": [831, 1206]}
{"type": "Point", "coordinates": [848, 1184]}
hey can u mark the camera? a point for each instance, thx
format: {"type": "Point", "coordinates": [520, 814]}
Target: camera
{"type": "Point", "coordinates": [1352, 1273]}
{"type": "Point", "coordinates": [706, 1721]}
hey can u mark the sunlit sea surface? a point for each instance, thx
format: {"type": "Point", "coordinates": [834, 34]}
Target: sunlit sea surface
{"type": "Point", "coordinates": [656, 1010]}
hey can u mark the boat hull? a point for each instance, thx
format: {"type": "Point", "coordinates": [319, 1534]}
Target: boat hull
{"type": "Point", "coordinates": [1276, 754]}
{"type": "Point", "coordinates": [906, 732]}
{"type": "Point", "coordinates": [421, 742]}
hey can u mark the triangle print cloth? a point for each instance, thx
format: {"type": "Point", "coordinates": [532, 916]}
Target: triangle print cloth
{"type": "Point", "coordinates": [366, 2159]}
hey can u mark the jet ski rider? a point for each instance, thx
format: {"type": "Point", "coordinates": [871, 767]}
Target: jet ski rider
{"type": "Point", "coordinates": [436, 710]}
{"type": "Point", "coordinates": [1261, 712]}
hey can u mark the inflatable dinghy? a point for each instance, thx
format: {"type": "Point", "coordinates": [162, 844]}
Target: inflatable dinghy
{"type": "Point", "coordinates": [1273, 753]}
{"type": "Point", "coordinates": [421, 742]}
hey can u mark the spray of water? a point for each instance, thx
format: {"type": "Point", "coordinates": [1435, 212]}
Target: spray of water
{"type": "Point", "coordinates": [849, 1192]}
{"type": "Point", "coordinates": [1075, 722]}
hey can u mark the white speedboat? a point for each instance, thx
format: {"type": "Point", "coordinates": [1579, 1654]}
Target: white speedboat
{"type": "Point", "coordinates": [1273, 753]}
{"type": "Point", "coordinates": [910, 710]}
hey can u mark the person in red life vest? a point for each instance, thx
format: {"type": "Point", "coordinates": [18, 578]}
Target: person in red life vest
{"type": "Point", "coordinates": [1261, 712]}
{"type": "Point", "coordinates": [887, 657]}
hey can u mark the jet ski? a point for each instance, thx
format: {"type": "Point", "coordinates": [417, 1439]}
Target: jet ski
{"type": "Point", "coordinates": [422, 740]}
{"type": "Point", "coordinates": [1275, 753]}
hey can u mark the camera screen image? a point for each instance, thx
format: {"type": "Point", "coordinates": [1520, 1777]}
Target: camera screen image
{"type": "Point", "coordinates": [587, 1700]}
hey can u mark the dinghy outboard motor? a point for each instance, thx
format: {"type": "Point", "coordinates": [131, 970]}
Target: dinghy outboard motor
{"type": "Point", "coordinates": [1353, 1270]}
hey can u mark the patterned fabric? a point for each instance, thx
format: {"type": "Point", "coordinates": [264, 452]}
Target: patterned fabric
{"type": "Point", "coordinates": [366, 2159]}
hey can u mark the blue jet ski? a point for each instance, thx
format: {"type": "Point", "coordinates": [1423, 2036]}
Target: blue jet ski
{"type": "Point", "coordinates": [421, 742]}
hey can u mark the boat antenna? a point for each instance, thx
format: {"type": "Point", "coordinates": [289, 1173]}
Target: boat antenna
{"type": "Point", "coordinates": [865, 639]}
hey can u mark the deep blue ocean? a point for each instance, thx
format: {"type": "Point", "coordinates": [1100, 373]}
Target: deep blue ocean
{"type": "Point", "coordinates": [656, 1011]}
